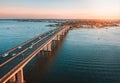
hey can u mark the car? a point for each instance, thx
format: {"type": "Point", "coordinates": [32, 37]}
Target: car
{"type": "Point", "coordinates": [19, 47]}
{"type": "Point", "coordinates": [4, 55]}
{"type": "Point", "coordinates": [13, 54]}
{"type": "Point", "coordinates": [39, 37]}
{"type": "Point", "coordinates": [32, 43]}
{"type": "Point", "coordinates": [30, 46]}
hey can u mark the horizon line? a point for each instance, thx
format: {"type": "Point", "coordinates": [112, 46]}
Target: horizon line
{"type": "Point", "coordinates": [61, 18]}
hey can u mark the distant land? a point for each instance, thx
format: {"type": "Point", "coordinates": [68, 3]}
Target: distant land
{"type": "Point", "coordinates": [92, 23]}
{"type": "Point", "coordinates": [75, 23]}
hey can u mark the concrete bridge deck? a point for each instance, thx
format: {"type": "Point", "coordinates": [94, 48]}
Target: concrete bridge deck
{"type": "Point", "coordinates": [13, 61]}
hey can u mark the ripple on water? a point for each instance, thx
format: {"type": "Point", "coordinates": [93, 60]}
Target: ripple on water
{"type": "Point", "coordinates": [85, 59]}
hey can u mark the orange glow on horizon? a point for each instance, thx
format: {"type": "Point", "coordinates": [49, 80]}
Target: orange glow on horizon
{"type": "Point", "coordinates": [30, 14]}
{"type": "Point", "coordinates": [61, 14]}
{"type": "Point", "coordinates": [63, 9]}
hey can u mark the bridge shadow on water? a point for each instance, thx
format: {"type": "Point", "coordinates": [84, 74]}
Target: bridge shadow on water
{"type": "Point", "coordinates": [39, 66]}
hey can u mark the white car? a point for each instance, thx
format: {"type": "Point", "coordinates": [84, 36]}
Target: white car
{"type": "Point", "coordinates": [4, 55]}
{"type": "Point", "coordinates": [32, 43]}
{"type": "Point", "coordinates": [13, 54]}
{"type": "Point", "coordinates": [30, 46]}
{"type": "Point", "coordinates": [39, 37]}
{"type": "Point", "coordinates": [19, 47]}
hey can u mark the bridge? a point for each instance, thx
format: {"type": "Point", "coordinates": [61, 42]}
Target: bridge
{"type": "Point", "coordinates": [13, 61]}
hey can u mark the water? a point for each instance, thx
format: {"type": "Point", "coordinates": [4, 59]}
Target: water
{"type": "Point", "coordinates": [13, 33]}
{"type": "Point", "coordinates": [86, 55]}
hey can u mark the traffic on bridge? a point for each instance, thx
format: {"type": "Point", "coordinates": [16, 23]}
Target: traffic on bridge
{"type": "Point", "coordinates": [13, 61]}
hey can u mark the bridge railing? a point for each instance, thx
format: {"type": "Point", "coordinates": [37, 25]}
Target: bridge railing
{"type": "Point", "coordinates": [26, 60]}
{"type": "Point", "coordinates": [22, 44]}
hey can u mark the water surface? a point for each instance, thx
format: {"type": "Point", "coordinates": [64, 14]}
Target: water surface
{"type": "Point", "coordinates": [86, 55]}
{"type": "Point", "coordinates": [13, 33]}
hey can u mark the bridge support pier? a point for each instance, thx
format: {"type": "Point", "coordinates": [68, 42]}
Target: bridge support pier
{"type": "Point", "coordinates": [20, 78]}
{"type": "Point", "coordinates": [13, 79]}
{"type": "Point", "coordinates": [42, 51]}
{"type": "Point", "coordinates": [53, 44]}
{"type": "Point", "coordinates": [61, 36]}
{"type": "Point", "coordinates": [63, 33]}
{"type": "Point", "coordinates": [17, 78]}
{"type": "Point", "coordinates": [15, 75]}
{"type": "Point", "coordinates": [46, 48]}
{"type": "Point", "coordinates": [49, 47]}
{"type": "Point", "coordinates": [58, 37]}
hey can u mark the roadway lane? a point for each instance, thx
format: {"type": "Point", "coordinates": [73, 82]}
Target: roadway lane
{"type": "Point", "coordinates": [18, 59]}
{"type": "Point", "coordinates": [26, 44]}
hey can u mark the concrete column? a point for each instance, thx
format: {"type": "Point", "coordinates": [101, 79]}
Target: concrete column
{"type": "Point", "coordinates": [13, 79]}
{"type": "Point", "coordinates": [20, 78]}
{"type": "Point", "coordinates": [54, 43]}
{"type": "Point", "coordinates": [46, 48]}
{"type": "Point", "coordinates": [49, 47]}
{"type": "Point", "coordinates": [58, 37]}
{"type": "Point", "coordinates": [55, 38]}
{"type": "Point", "coordinates": [65, 30]}
{"type": "Point", "coordinates": [63, 33]}
{"type": "Point", "coordinates": [39, 53]}
{"type": "Point", "coordinates": [61, 36]}
{"type": "Point", "coordinates": [42, 52]}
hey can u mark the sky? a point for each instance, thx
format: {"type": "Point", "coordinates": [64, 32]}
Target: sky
{"type": "Point", "coordinates": [61, 9]}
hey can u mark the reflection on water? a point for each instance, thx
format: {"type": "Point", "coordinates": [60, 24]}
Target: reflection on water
{"type": "Point", "coordinates": [83, 58]}
{"type": "Point", "coordinates": [38, 68]}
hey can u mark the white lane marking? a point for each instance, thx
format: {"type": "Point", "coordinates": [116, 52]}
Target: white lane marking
{"type": "Point", "coordinates": [21, 52]}
{"type": "Point", "coordinates": [12, 58]}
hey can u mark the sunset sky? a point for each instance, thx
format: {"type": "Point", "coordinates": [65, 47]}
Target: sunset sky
{"type": "Point", "coordinates": [76, 9]}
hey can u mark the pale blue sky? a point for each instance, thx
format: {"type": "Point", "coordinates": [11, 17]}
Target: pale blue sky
{"type": "Point", "coordinates": [60, 8]}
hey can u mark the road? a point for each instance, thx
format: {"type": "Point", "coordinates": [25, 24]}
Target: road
{"type": "Point", "coordinates": [21, 52]}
